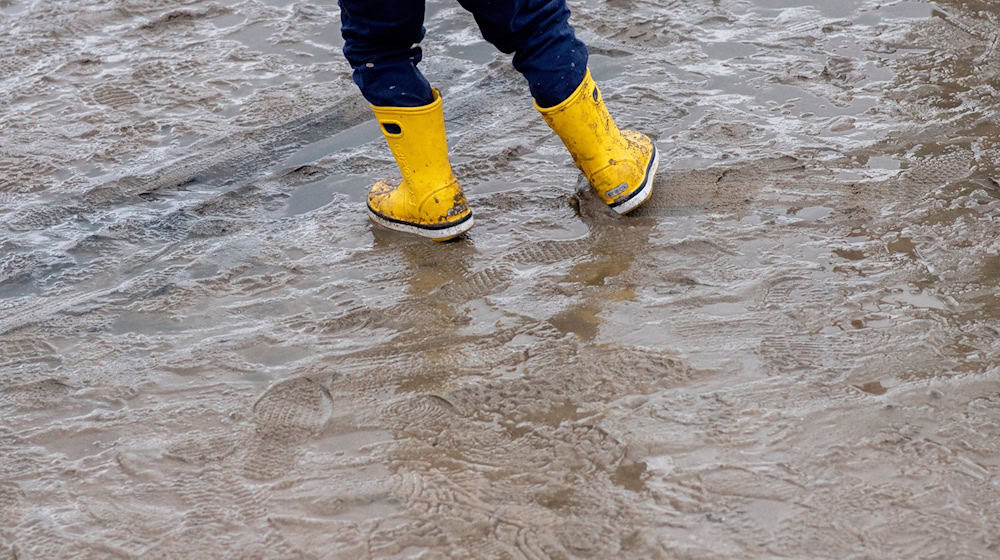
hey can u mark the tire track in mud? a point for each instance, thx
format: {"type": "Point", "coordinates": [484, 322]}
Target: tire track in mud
{"type": "Point", "coordinates": [115, 240]}
{"type": "Point", "coordinates": [67, 301]}
{"type": "Point", "coordinates": [234, 161]}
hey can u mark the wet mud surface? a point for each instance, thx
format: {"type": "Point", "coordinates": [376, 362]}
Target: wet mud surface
{"type": "Point", "coordinates": [790, 352]}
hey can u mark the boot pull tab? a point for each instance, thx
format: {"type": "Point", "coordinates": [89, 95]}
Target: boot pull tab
{"type": "Point", "coordinates": [392, 128]}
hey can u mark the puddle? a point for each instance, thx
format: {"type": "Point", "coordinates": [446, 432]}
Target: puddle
{"type": "Point", "coordinates": [206, 349]}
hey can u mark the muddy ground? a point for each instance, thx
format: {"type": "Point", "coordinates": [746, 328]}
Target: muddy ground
{"type": "Point", "coordinates": [793, 351]}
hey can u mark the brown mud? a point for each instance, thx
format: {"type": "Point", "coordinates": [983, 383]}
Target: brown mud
{"type": "Point", "coordinates": [790, 352]}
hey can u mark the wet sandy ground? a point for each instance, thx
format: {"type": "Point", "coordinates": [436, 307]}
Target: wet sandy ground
{"type": "Point", "coordinates": [791, 352]}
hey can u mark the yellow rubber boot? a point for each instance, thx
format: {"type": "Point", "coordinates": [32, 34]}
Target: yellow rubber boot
{"type": "Point", "coordinates": [620, 165]}
{"type": "Point", "coordinates": [428, 201]}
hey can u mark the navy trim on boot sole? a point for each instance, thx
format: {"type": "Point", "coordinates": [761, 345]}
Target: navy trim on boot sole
{"type": "Point", "coordinates": [420, 226]}
{"type": "Point", "coordinates": [639, 189]}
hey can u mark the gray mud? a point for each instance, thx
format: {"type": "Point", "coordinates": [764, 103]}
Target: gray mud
{"type": "Point", "coordinates": [790, 352]}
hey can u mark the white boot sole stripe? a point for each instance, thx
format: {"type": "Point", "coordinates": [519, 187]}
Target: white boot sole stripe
{"type": "Point", "coordinates": [433, 232]}
{"type": "Point", "coordinates": [642, 193]}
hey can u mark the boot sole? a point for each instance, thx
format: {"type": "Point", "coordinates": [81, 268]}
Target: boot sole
{"type": "Point", "coordinates": [437, 233]}
{"type": "Point", "coordinates": [642, 194]}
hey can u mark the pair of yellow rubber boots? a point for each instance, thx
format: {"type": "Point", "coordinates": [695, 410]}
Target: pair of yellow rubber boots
{"type": "Point", "coordinates": [620, 165]}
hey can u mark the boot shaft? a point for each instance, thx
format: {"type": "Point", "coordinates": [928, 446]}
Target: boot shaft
{"type": "Point", "coordinates": [586, 128]}
{"type": "Point", "coordinates": [428, 201]}
{"type": "Point", "coordinates": [620, 165]}
{"type": "Point", "coordinates": [416, 137]}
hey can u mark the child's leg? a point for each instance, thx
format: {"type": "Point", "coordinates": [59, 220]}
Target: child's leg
{"type": "Point", "coordinates": [620, 165]}
{"type": "Point", "coordinates": [380, 42]}
{"type": "Point", "coordinates": [545, 48]}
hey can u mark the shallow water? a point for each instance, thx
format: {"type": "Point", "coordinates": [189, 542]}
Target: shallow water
{"type": "Point", "coordinates": [791, 351]}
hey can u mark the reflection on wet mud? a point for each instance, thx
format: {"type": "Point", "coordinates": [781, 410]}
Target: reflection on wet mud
{"type": "Point", "coordinates": [790, 351]}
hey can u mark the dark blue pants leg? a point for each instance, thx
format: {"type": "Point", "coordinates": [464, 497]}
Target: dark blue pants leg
{"type": "Point", "coordinates": [380, 43]}
{"type": "Point", "coordinates": [380, 38]}
{"type": "Point", "coordinates": [545, 47]}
